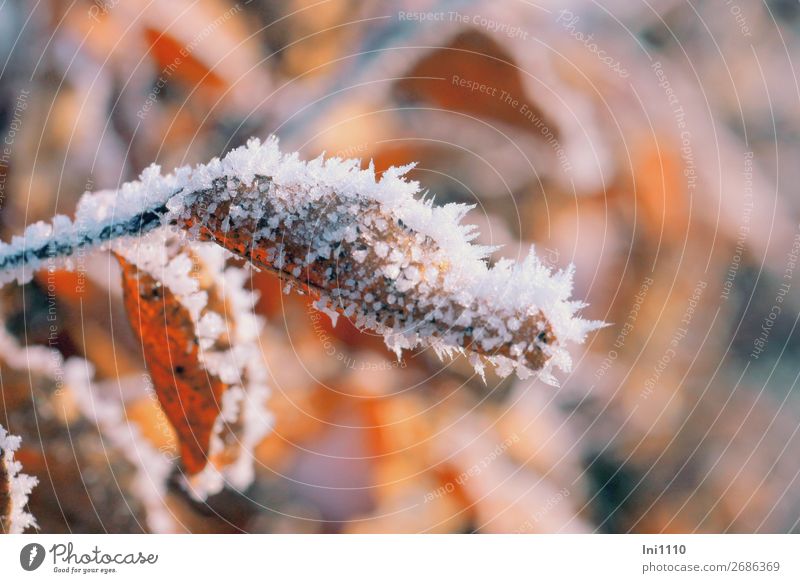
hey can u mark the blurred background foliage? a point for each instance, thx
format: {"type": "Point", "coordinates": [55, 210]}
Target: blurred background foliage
{"type": "Point", "coordinates": [658, 155]}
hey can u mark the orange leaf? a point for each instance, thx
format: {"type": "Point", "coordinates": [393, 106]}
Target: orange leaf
{"type": "Point", "coordinates": [189, 394]}
{"type": "Point", "coordinates": [474, 74]}
{"type": "Point", "coordinates": [173, 58]}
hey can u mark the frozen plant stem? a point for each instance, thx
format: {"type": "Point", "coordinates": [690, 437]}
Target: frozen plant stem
{"type": "Point", "coordinates": [367, 248]}
{"type": "Point", "coordinates": [140, 224]}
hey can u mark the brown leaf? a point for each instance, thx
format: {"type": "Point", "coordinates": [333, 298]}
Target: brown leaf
{"type": "Point", "coordinates": [330, 276]}
{"type": "Point", "coordinates": [189, 394]}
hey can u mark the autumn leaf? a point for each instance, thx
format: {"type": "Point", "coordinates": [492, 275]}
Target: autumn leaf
{"type": "Point", "coordinates": [190, 395]}
{"type": "Point", "coordinates": [329, 275]}
{"type": "Point", "coordinates": [475, 75]}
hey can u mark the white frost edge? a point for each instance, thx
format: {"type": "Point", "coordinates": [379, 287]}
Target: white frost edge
{"type": "Point", "coordinates": [20, 485]}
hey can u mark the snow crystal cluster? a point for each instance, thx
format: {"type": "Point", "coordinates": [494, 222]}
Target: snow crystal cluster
{"type": "Point", "coordinates": [19, 486]}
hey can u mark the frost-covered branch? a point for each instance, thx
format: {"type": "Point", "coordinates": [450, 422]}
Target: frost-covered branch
{"type": "Point", "coordinates": [62, 239]}
{"type": "Point", "coordinates": [367, 248]}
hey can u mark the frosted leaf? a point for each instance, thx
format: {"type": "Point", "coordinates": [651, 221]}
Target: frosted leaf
{"type": "Point", "coordinates": [405, 268]}
{"type": "Point", "coordinates": [244, 419]}
{"type": "Point", "coordinates": [340, 232]}
{"type": "Point", "coordinates": [220, 310]}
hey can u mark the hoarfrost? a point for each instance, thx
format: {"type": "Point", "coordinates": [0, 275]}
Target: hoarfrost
{"type": "Point", "coordinates": [19, 485]}
{"type": "Point", "coordinates": [343, 232]}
